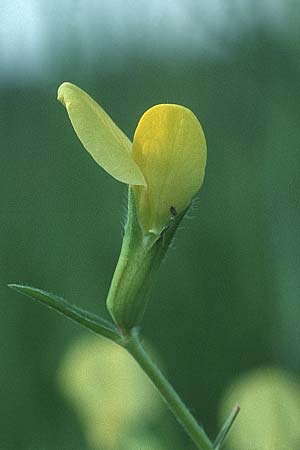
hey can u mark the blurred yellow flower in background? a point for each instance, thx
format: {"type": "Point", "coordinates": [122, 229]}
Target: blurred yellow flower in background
{"type": "Point", "coordinates": [111, 395]}
{"type": "Point", "coordinates": [270, 411]}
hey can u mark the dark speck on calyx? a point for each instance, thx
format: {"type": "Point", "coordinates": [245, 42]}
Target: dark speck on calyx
{"type": "Point", "coordinates": [173, 211]}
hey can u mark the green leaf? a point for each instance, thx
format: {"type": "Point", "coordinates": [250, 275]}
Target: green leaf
{"type": "Point", "coordinates": [84, 318]}
{"type": "Point", "coordinates": [226, 428]}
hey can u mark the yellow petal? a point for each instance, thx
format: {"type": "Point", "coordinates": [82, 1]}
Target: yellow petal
{"type": "Point", "coordinates": [100, 136]}
{"type": "Point", "coordinates": [169, 147]}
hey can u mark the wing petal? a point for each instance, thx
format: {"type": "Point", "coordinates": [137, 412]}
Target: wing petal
{"type": "Point", "coordinates": [100, 136]}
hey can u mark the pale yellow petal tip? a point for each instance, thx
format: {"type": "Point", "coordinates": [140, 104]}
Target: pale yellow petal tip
{"type": "Point", "coordinates": [139, 181]}
{"type": "Point", "coordinates": [62, 90]}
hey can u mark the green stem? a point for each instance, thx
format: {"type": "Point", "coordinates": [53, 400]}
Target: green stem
{"type": "Point", "coordinates": [171, 398]}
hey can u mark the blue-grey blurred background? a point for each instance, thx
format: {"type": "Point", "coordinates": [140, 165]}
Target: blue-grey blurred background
{"type": "Point", "coordinates": [227, 299]}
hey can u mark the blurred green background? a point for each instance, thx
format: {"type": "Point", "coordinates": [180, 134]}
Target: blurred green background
{"type": "Point", "coordinates": [227, 299]}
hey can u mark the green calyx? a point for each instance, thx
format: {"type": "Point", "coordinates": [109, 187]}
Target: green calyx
{"type": "Point", "coordinates": [140, 257]}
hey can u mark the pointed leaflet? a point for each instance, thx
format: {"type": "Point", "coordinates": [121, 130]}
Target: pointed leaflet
{"type": "Point", "coordinates": [169, 147]}
{"type": "Point", "coordinates": [84, 318]}
{"type": "Point", "coordinates": [100, 136]}
{"type": "Point", "coordinates": [218, 444]}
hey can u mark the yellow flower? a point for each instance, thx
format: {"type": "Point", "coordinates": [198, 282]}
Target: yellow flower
{"type": "Point", "coordinates": [103, 384]}
{"type": "Point", "coordinates": [165, 164]}
{"type": "Point", "coordinates": [269, 399]}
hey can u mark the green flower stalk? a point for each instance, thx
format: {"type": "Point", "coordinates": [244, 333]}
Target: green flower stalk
{"type": "Point", "coordinates": [164, 168]}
